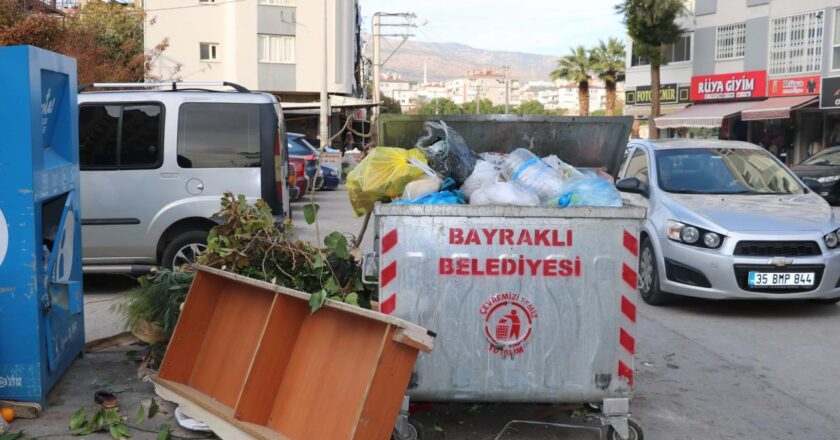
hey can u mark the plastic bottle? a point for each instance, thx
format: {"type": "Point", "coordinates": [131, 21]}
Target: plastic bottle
{"type": "Point", "coordinates": [526, 169]}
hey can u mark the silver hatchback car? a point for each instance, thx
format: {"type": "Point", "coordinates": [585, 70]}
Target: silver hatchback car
{"type": "Point", "coordinates": [727, 220]}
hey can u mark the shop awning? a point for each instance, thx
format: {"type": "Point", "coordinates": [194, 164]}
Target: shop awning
{"type": "Point", "coordinates": [703, 115]}
{"type": "Point", "coordinates": [777, 108]}
{"type": "Point", "coordinates": [644, 110]}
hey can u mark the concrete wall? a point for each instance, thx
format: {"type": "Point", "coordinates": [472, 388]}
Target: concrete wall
{"type": "Point", "coordinates": [758, 33]}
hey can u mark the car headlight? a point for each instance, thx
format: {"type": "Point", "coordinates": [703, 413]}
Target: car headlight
{"type": "Point", "coordinates": [832, 239]}
{"type": "Point", "coordinates": [692, 235]}
{"type": "Point", "coordinates": [828, 179]}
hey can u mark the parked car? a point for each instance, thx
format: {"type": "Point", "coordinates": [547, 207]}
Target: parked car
{"type": "Point", "coordinates": [155, 164]}
{"type": "Point", "coordinates": [824, 167]}
{"type": "Point", "coordinates": [298, 146]}
{"type": "Point", "coordinates": [727, 220]}
{"type": "Point", "coordinates": [331, 178]}
{"type": "Point", "coordinates": [301, 181]}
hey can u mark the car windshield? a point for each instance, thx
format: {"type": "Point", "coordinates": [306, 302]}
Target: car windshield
{"type": "Point", "coordinates": [826, 157]}
{"type": "Point", "coordinates": [723, 171]}
{"type": "Point", "coordinates": [299, 147]}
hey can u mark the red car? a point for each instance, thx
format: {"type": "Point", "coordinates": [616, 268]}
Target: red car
{"type": "Point", "coordinates": [298, 181]}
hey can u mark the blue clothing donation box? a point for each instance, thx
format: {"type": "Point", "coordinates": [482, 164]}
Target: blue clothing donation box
{"type": "Point", "coordinates": [41, 321]}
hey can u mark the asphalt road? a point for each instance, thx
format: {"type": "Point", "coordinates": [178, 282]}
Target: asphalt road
{"type": "Point", "coordinates": [705, 370]}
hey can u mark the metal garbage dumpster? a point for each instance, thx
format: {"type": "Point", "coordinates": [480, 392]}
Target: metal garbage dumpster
{"type": "Point", "coordinates": [529, 304]}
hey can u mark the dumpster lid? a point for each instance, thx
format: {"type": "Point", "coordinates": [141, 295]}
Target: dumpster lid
{"type": "Point", "coordinates": [584, 142]}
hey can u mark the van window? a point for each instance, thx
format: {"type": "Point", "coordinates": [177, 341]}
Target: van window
{"type": "Point", "coordinates": [140, 131]}
{"type": "Point", "coordinates": [219, 135]}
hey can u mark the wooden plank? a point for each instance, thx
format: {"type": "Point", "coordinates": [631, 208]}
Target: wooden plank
{"type": "Point", "coordinates": [382, 404]}
{"type": "Point", "coordinates": [273, 356]}
{"type": "Point", "coordinates": [215, 414]}
{"type": "Point", "coordinates": [328, 376]}
{"type": "Point", "coordinates": [230, 341]}
{"type": "Point", "coordinates": [328, 304]}
{"type": "Point", "coordinates": [187, 339]}
{"type": "Point", "coordinates": [417, 340]}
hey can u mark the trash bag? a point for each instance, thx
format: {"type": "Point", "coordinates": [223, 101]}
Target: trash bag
{"type": "Point", "coordinates": [448, 197]}
{"type": "Point", "coordinates": [484, 174]}
{"type": "Point", "coordinates": [421, 187]}
{"type": "Point", "coordinates": [566, 170]}
{"type": "Point", "coordinates": [447, 152]}
{"type": "Point", "coordinates": [497, 159]}
{"type": "Point", "coordinates": [589, 190]}
{"type": "Point", "coordinates": [504, 193]}
{"type": "Point", "coordinates": [382, 176]}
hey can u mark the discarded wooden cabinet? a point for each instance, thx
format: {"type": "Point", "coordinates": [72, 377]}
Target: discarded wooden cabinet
{"type": "Point", "coordinates": [250, 360]}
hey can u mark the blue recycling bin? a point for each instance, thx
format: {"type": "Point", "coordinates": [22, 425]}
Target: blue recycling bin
{"type": "Point", "coordinates": [41, 308]}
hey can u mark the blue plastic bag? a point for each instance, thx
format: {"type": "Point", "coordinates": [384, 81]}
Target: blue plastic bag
{"type": "Point", "coordinates": [439, 198]}
{"type": "Point", "coordinates": [589, 190]}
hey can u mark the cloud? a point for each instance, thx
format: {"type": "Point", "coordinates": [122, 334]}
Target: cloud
{"type": "Point", "coordinates": [538, 26]}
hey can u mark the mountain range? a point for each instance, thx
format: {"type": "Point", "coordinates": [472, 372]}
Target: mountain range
{"type": "Point", "coordinates": [453, 60]}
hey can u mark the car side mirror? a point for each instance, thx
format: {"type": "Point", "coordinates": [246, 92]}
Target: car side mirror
{"type": "Point", "coordinates": [812, 184]}
{"type": "Point", "coordinates": [632, 185]}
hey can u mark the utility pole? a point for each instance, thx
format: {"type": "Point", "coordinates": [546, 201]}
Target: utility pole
{"type": "Point", "coordinates": [477, 98]}
{"type": "Point", "coordinates": [324, 129]}
{"type": "Point", "coordinates": [407, 22]}
{"type": "Point", "coordinates": [507, 89]}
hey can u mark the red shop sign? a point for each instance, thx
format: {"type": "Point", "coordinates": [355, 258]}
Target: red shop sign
{"type": "Point", "coordinates": [743, 85]}
{"type": "Point", "coordinates": [803, 85]}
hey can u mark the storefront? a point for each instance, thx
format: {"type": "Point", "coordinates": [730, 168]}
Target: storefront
{"type": "Point", "coordinates": [716, 105]}
{"type": "Point", "coordinates": [830, 106]}
{"type": "Point", "coordinates": [673, 98]}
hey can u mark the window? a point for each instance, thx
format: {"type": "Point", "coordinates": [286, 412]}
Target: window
{"type": "Point", "coordinates": [276, 48]}
{"type": "Point", "coordinates": [674, 53]}
{"type": "Point", "coordinates": [638, 166]}
{"type": "Point", "coordinates": [207, 2]}
{"type": "Point", "coordinates": [140, 127]}
{"type": "Point", "coordinates": [278, 2]}
{"type": "Point", "coordinates": [835, 46]}
{"type": "Point", "coordinates": [731, 41]}
{"type": "Point", "coordinates": [209, 51]}
{"type": "Point", "coordinates": [216, 135]}
{"type": "Point", "coordinates": [796, 43]}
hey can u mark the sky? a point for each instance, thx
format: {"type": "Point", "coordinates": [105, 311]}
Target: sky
{"type": "Point", "coordinates": [548, 27]}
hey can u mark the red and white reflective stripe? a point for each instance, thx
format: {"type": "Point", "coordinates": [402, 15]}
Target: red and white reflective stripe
{"type": "Point", "coordinates": [628, 288]}
{"type": "Point", "coordinates": [388, 273]}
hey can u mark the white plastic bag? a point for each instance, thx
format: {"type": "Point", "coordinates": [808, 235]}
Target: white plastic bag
{"type": "Point", "coordinates": [504, 193]}
{"type": "Point", "coordinates": [568, 171]}
{"type": "Point", "coordinates": [421, 187]}
{"type": "Point", "coordinates": [484, 174]}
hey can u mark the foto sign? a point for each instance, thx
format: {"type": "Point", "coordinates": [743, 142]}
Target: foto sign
{"type": "Point", "coordinates": [668, 94]}
{"type": "Point", "coordinates": [743, 85]}
{"type": "Point", "coordinates": [830, 94]}
{"type": "Point", "coordinates": [803, 85]}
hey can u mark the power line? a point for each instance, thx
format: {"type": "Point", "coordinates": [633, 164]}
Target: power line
{"type": "Point", "coordinates": [196, 6]}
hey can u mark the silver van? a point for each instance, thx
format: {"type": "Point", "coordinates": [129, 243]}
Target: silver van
{"type": "Point", "coordinates": [155, 163]}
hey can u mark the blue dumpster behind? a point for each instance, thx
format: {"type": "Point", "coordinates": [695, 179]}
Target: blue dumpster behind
{"type": "Point", "coordinates": [41, 317]}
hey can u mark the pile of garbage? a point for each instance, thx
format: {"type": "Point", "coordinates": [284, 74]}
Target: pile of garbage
{"type": "Point", "coordinates": [443, 170]}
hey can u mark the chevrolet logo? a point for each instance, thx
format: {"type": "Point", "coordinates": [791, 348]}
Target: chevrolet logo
{"type": "Point", "coordinates": [780, 261]}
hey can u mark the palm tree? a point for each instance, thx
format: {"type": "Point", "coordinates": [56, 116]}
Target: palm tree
{"type": "Point", "coordinates": [652, 24]}
{"type": "Point", "coordinates": [608, 64]}
{"type": "Point", "coordinates": [576, 67]}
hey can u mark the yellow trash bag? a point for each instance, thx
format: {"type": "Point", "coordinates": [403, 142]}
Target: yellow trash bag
{"type": "Point", "coordinates": [382, 176]}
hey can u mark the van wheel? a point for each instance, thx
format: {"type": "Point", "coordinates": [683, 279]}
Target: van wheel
{"type": "Point", "coordinates": [649, 277]}
{"type": "Point", "coordinates": [184, 249]}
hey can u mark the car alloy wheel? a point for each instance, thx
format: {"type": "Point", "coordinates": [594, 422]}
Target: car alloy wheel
{"type": "Point", "coordinates": [646, 270]}
{"type": "Point", "coordinates": [187, 254]}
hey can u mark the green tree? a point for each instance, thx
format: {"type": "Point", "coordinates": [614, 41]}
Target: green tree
{"type": "Point", "coordinates": [577, 67]}
{"type": "Point", "coordinates": [440, 106]}
{"type": "Point", "coordinates": [608, 65]}
{"type": "Point", "coordinates": [487, 107]}
{"type": "Point", "coordinates": [389, 105]}
{"type": "Point", "coordinates": [652, 24]}
{"type": "Point", "coordinates": [531, 108]}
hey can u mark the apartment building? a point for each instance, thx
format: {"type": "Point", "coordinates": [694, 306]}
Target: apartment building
{"type": "Point", "coordinates": [750, 70]}
{"type": "Point", "coordinates": [483, 83]}
{"type": "Point", "coordinates": [267, 45]}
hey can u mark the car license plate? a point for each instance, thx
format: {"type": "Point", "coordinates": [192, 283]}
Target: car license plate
{"type": "Point", "coordinates": [781, 279]}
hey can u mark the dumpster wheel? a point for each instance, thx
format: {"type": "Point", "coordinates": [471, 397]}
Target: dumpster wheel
{"type": "Point", "coordinates": [413, 431]}
{"type": "Point", "coordinates": [635, 430]}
